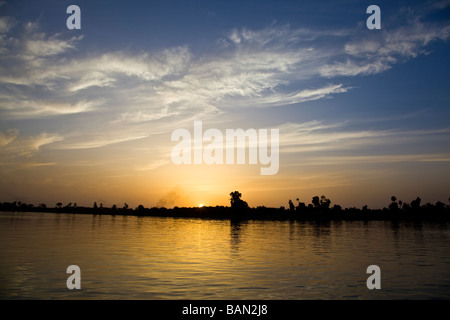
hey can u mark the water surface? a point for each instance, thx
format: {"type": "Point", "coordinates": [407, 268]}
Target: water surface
{"type": "Point", "coordinates": [128, 257]}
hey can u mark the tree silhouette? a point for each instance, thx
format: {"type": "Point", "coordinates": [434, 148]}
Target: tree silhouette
{"type": "Point", "coordinates": [415, 204]}
{"type": "Point", "coordinates": [394, 205]}
{"type": "Point", "coordinates": [321, 203]}
{"type": "Point", "coordinates": [236, 201]}
{"type": "Point", "coordinates": [300, 205]}
{"type": "Point", "coordinates": [316, 202]}
{"type": "Point", "coordinates": [324, 202]}
{"type": "Point", "coordinates": [291, 206]}
{"type": "Point", "coordinates": [320, 208]}
{"type": "Point", "coordinates": [440, 206]}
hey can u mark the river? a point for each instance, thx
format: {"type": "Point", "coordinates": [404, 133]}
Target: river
{"type": "Point", "coordinates": [129, 257]}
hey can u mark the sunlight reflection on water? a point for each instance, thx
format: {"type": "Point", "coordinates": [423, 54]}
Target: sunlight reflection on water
{"type": "Point", "coordinates": [174, 258]}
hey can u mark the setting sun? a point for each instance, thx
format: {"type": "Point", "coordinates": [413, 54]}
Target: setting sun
{"type": "Point", "coordinates": [201, 205]}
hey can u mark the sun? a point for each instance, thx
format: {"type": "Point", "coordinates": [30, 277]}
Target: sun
{"type": "Point", "coordinates": [201, 205]}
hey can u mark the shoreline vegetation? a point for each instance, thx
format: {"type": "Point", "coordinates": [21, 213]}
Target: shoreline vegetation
{"type": "Point", "coordinates": [319, 209]}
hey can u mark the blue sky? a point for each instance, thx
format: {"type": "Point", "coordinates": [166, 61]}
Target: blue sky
{"type": "Point", "coordinates": [86, 115]}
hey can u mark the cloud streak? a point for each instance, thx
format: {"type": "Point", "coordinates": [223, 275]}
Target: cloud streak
{"type": "Point", "coordinates": [15, 146]}
{"type": "Point", "coordinates": [377, 52]}
{"type": "Point", "coordinates": [316, 136]}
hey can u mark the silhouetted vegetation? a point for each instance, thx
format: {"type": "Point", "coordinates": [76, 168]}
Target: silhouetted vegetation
{"type": "Point", "coordinates": [236, 202]}
{"type": "Point", "coordinates": [319, 209]}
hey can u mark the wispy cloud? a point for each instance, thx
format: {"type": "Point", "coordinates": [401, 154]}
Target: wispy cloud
{"type": "Point", "coordinates": [38, 164]}
{"type": "Point", "coordinates": [142, 116]}
{"type": "Point", "coordinates": [298, 97]}
{"type": "Point", "coordinates": [125, 96]}
{"type": "Point", "coordinates": [6, 23]}
{"type": "Point", "coordinates": [7, 138]}
{"type": "Point", "coordinates": [377, 52]}
{"type": "Point", "coordinates": [400, 158]}
{"type": "Point", "coordinates": [268, 67]}
{"type": "Point", "coordinates": [17, 146]}
{"type": "Point", "coordinates": [18, 109]}
{"type": "Point", "coordinates": [316, 136]}
{"type": "Point", "coordinates": [42, 46]}
{"type": "Point", "coordinates": [353, 68]}
{"type": "Point", "coordinates": [101, 141]}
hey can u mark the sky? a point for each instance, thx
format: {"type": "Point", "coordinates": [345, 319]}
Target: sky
{"type": "Point", "coordinates": [87, 115]}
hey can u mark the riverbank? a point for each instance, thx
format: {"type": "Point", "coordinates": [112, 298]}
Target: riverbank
{"type": "Point", "coordinates": [423, 213]}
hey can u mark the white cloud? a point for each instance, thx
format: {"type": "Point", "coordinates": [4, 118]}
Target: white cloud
{"type": "Point", "coordinates": [41, 46]}
{"type": "Point", "coordinates": [270, 67]}
{"type": "Point", "coordinates": [314, 136]}
{"type": "Point", "coordinates": [142, 116]}
{"type": "Point", "coordinates": [6, 23]}
{"type": "Point", "coordinates": [376, 53]}
{"type": "Point", "coordinates": [353, 68]}
{"type": "Point", "coordinates": [276, 36]}
{"type": "Point", "coordinates": [92, 79]}
{"type": "Point", "coordinates": [44, 138]}
{"type": "Point", "coordinates": [22, 109]}
{"type": "Point", "coordinates": [256, 70]}
{"type": "Point", "coordinates": [101, 141]}
{"type": "Point", "coordinates": [148, 67]}
{"type": "Point", "coordinates": [315, 94]}
{"type": "Point", "coordinates": [104, 70]}
{"type": "Point", "coordinates": [282, 99]}
{"type": "Point", "coordinates": [27, 146]}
